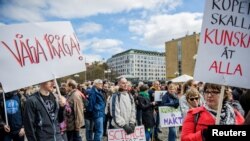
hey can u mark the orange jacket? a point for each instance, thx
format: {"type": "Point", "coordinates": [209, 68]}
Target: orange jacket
{"type": "Point", "coordinates": [205, 119]}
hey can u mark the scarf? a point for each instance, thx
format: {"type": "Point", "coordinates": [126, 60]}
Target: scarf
{"type": "Point", "coordinates": [144, 94]}
{"type": "Point", "coordinates": [227, 116]}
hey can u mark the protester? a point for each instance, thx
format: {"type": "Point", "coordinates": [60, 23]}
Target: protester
{"type": "Point", "coordinates": [89, 125]}
{"type": "Point", "coordinates": [123, 108]}
{"type": "Point", "coordinates": [184, 105]}
{"type": "Point", "coordinates": [61, 117]}
{"type": "Point", "coordinates": [228, 97]}
{"type": "Point", "coordinates": [147, 111]}
{"type": "Point", "coordinates": [156, 87]}
{"type": "Point", "coordinates": [74, 113]}
{"type": "Point", "coordinates": [193, 99]}
{"type": "Point", "coordinates": [40, 114]}
{"type": "Point", "coordinates": [245, 100]}
{"type": "Point", "coordinates": [198, 119]}
{"type": "Point", "coordinates": [97, 106]}
{"type": "Point", "coordinates": [170, 99]}
{"type": "Point", "coordinates": [14, 103]}
{"type": "Point", "coordinates": [138, 109]}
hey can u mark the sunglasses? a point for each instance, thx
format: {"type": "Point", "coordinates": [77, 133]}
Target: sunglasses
{"type": "Point", "coordinates": [192, 99]}
{"type": "Point", "coordinates": [212, 92]}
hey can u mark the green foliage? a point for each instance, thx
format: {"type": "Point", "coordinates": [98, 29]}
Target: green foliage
{"type": "Point", "coordinates": [94, 71]}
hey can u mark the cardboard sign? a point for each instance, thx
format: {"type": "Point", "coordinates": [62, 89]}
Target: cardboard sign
{"type": "Point", "coordinates": [120, 135]}
{"type": "Point", "coordinates": [158, 95]}
{"type": "Point", "coordinates": [224, 46]}
{"type": "Point", "coordinates": [170, 117]}
{"type": "Point", "coordinates": [37, 52]}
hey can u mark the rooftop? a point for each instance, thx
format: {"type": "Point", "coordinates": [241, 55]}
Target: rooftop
{"type": "Point", "coordinates": [137, 51]}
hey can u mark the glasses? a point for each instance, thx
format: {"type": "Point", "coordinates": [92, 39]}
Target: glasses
{"type": "Point", "coordinates": [212, 92]}
{"type": "Point", "coordinates": [192, 99]}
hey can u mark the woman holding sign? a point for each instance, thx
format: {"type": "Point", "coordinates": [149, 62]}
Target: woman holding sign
{"type": "Point", "coordinates": [198, 119]}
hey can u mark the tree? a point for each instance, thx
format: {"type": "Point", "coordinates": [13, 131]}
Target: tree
{"type": "Point", "coordinates": [94, 71]}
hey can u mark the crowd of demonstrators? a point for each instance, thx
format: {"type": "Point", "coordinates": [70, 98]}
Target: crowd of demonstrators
{"type": "Point", "coordinates": [40, 114]}
{"type": "Point", "coordinates": [198, 119]}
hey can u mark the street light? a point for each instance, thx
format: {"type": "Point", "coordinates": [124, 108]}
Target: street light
{"type": "Point", "coordinates": [107, 71]}
{"type": "Point", "coordinates": [177, 73]}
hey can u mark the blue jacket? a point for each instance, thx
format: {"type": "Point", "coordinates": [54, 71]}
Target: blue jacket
{"type": "Point", "coordinates": [170, 100]}
{"type": "Point", "coordinates": [96, 102]}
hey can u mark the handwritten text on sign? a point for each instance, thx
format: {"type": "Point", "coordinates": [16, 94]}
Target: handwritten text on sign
{"type": "Point", "coordinates": [224, 46]}
{"type": "Point", "coordinates": [120, 135]}
{"type": "Point", "coordinates": [170, 116]}
{"type": "Point", "coordinates": [33, 50]}
{"type": "Point", "coordinates": [36, 52]}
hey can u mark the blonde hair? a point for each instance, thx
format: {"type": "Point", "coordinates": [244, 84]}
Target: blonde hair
{"type": "Point", "coordinates": [192, 92]}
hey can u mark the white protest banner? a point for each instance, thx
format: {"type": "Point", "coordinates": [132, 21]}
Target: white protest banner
{"type": "Point", "coordinates": [224, 46]}
{"type": "Point", "coordinates": [120, 135]}
{"type": "Point", "coordinates": [158, 95]}
{"type": "Point", "coordinates": [37, 52]}
{"type": "Point", "coordinates": [170, 117]}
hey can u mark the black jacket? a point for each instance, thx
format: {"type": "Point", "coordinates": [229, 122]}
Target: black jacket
{"type": "Point", "coordinates": [147, 112]}
{"type": "Point", "coordinates": [37, 121]}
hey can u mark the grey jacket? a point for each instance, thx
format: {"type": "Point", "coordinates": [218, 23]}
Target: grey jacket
{"type": "Point", "coordinates": [122, 109]}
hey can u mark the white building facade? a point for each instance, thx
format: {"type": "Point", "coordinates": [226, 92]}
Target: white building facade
{"type": "Point", "coordinates": [144, 65]}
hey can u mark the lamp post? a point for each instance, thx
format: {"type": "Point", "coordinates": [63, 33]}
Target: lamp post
{"type": "Point", "coordinates": [177, 73]}
{"type": "Point", "coordinates": [108, 72]}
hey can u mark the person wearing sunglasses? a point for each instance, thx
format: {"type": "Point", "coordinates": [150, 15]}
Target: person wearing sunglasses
{"type": "Point", "coordinates": [184, 99]}
{"type": "Point", "coordinates": [198, 119]}
{"type": "Point", "coordinates": [193, 98]}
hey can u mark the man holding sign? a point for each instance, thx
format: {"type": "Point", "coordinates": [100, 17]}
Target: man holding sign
{"type": "Point", "coordinates": [40, 114]}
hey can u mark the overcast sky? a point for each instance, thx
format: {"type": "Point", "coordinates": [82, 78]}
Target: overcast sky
{"type": "Point", "coordinates": [106, 27]}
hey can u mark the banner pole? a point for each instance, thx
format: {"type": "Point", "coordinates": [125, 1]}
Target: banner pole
{"type": "Point", "coordinates": [57, 87]}
{"type": "Point", "coordinates": [5, 112]}
{"type": "Point", "coordinates": [222, 91]}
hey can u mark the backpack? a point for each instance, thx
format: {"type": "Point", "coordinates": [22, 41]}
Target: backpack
{"type": "Point", "coordinates": [113, 98]}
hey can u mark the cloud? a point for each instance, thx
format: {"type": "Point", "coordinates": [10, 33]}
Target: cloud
{"type": "Point", "coordinates": [89, 28]}
{"type": "Point", "coordinates": [111, 46]}
{"type": "Point", "coordinates": [158, 29]}
{"type": "Point", "coordinates": [38, 10]}
{"type": "Point", "coordinates": [19, 13]}
{"type": "Point", "coordinates": [92, 57]}
{"type": "Point", "coordinates": [1, 24]}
